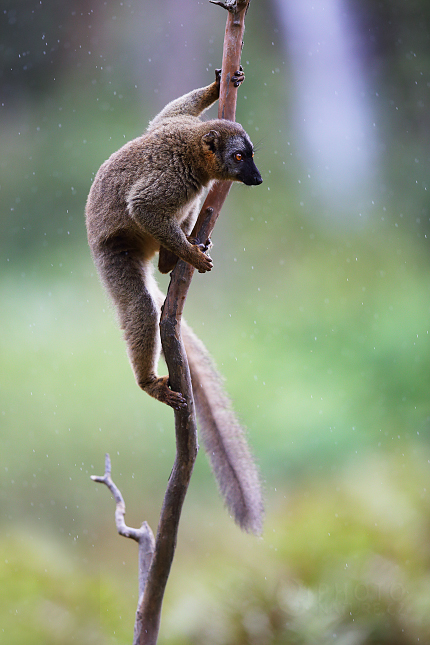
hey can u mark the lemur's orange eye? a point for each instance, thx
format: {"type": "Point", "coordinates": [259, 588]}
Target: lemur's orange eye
{"type": "Point", "coordinates": [238, 156]}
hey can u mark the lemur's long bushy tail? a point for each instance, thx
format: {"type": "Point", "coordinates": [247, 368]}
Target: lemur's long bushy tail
{"type": "Point", "coordinates": [224, 438]}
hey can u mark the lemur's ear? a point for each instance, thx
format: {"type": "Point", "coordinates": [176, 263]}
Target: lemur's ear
{"type": "Point", "coordinates": [211, 139]}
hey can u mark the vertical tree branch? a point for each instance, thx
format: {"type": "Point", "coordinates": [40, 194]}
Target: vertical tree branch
{"type": "Point", "coordinates": [232, 50]}
{"type": "Point", "coordinates": [149, 610]}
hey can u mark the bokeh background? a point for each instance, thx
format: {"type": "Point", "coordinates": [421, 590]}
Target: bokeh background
{"type": "Point", "coordinates": [317, 313]}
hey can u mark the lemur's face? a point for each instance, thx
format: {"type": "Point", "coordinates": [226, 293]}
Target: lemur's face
{"type": "Point", "coordinates": [239, 162]}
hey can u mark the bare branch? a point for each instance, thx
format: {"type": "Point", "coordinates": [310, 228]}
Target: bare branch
{"type": "Point", "coordinates": [232, 50]}
{"type": "Point", "coordinates": [143, 536]}
{"type": "Point", "coordinates": [149, 611]}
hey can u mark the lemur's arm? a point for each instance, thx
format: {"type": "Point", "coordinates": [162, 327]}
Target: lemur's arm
{"type": "Point", "coordinates": [197, 101]}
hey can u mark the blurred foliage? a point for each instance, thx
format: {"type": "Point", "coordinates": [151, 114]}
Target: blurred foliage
{"type": "Point", "coordinates": [347, 559]}
{"type": "Point", "coordinates": [319, 324]}
{"type": "Point", "coordinates": [45, 599]}
{"type": "Point", "coordinates": [361, 578]}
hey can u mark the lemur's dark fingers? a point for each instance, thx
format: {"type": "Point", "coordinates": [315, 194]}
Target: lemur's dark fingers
{"type": "Point", "coordinates": [205, 246]}
{"type": "Point", "coordinates": [208, 244]}
{"type": "Point", "coordinates": [218, 75]}
{"type": "Point", "coordinates": [202, 245]}
{"type": "Point", "coordinates": [238, 77]}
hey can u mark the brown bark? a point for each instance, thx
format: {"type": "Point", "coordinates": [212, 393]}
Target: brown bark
{"type": "Point", "coordinates": [148, 616]}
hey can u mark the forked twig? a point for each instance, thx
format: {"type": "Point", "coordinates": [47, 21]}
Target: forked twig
{"type": "Point", "coordinates": [143, 536]}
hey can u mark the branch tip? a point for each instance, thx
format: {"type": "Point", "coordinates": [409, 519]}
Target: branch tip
{"type": "Point", "coordinates": [107, 464]}
{"type": "Point", "coordinates": [233, 6]}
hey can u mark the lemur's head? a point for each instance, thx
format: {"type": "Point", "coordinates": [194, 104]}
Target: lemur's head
{"type": "Point", "coordinates": [233, 152]}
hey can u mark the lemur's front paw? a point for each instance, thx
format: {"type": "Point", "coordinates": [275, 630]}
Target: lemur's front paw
{"type": "Point", "coordinates": [218, 76]}
{"type": "Point", "coordinates": [200, 260]}
{"type": "Point", "coordinates": [238, 77]}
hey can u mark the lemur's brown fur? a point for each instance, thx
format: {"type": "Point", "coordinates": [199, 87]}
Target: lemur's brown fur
{"type": "Point", "coordinates": [145, 199]}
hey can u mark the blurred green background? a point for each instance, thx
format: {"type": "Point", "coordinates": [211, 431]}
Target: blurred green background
{"type": "Point", "coordinates": [317, 313]}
